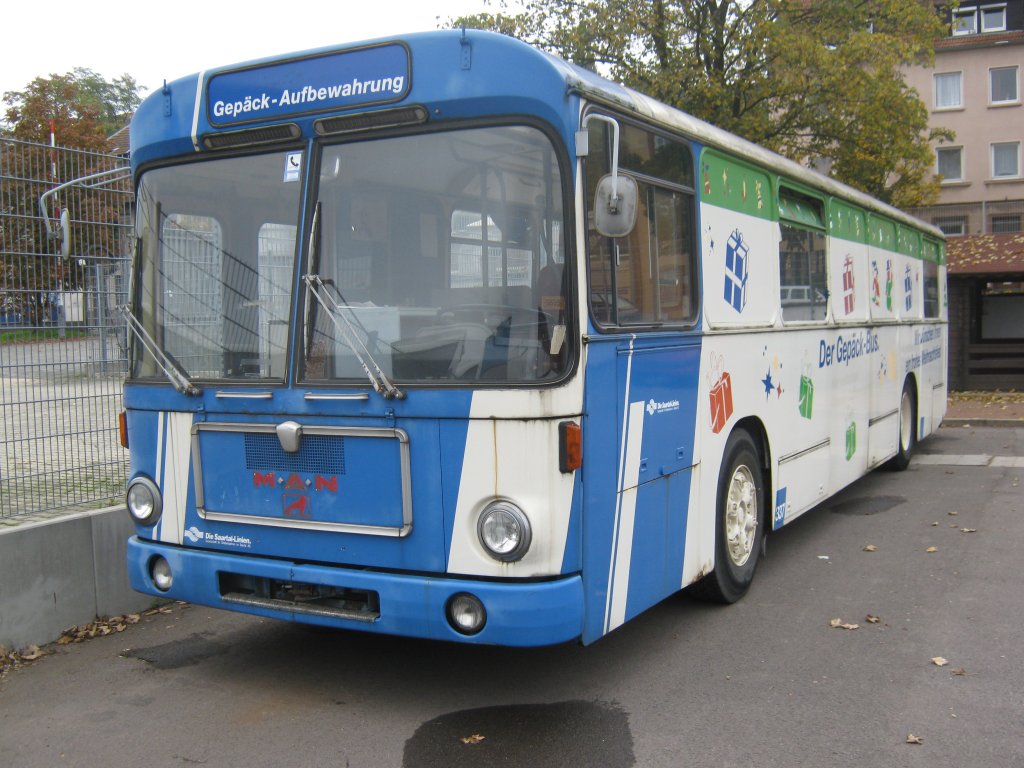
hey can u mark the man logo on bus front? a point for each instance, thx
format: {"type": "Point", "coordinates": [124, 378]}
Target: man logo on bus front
{"type": "Point", "coordinates": [296, 505]}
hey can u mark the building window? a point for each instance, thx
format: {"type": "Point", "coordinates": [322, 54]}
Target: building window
{"type": "Point", "coordinates": [1006, 160]}
{"type": "Point", "coordinates": [948, 90]}
{"type": "Point", "coordinates": [1006, 224]}
{"type": "Point", "coordinates": [1003, 85]}
{"type": "Point", "coordinates": [950, 161]}
{"type": "Point", "coordinates": [965, 22]}
{"type": "Point", "coordinates": [1002, 307]}
{"type": "Point", "coordinates": [993, 18]}
{"type": "Point", "coordinates": [951, 225]}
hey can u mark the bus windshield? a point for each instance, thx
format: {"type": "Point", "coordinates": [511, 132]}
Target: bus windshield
{"type": "Point", "coordinates": [438, 257]}
{"type": "Point", "coordinates": [213, 283]}
{"type": "Point", "coordinates": [433, 258]}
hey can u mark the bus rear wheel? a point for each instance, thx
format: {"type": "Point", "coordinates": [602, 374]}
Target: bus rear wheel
{"type": "Point", "coordinates": [908, 429]}
{"type": "Point", "coordinates": [739, 526]}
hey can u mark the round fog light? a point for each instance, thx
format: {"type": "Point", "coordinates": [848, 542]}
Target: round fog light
{"type": "Point", "coordinates": [504, 530]}
{"type": "Point", "coordinates": [160, 571]}
{"type": "Point", "coordinates": [466, 614]}
{"type": "Point", "coordinates": [143, 500]}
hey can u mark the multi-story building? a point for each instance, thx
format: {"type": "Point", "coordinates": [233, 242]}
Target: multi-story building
{"type": "Point", "coordinates": [974, 89]}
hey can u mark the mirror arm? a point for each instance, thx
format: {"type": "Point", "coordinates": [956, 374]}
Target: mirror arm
{"type": "Point", "coordinates": [615, 198]}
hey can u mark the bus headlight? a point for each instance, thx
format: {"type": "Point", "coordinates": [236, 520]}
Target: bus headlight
{"type": "Point", "coordinates": [160, 572]}
{"type": "Point", "coordinates": [504, 530]}
{"type": "Point", "coordinates": [466, 613]}
{"type": "Point", "coordinates": [144, 501]}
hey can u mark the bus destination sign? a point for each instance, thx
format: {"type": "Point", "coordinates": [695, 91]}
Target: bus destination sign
{"type": "Point", "coordinates": [376, 75]}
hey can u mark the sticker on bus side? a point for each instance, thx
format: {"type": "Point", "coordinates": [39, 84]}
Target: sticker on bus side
{"type": "Point", "coordinates": [779, 515]}
{"type": "Point", "coordinates": [360, 77]}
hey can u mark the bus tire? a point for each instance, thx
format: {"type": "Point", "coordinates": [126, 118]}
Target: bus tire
{"type": "Point", "coordinates": [907, 440]}
{"type": "Point", "coordinates": [739, 522]}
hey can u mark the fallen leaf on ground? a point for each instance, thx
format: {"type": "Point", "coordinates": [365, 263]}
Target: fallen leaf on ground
{"type": "Point", "coordinates": [938, 661]}
{"type": "Point", "coordinates": [952, 514]}
{"type": "Point", "coordinates": [870, 619]}
{"type": "Point", "coordinates": [100, 628]}
{"type": "Point", "coordinates": [959, 672]}
{"type": "Point", "coordinates": [932, 549]}
{"type": "Point", "coordinates": [476, 738]}
{"type": "Point", "coordinates": [31, 653]}
{"type": "Point", "coordinates": [935, 523]}
{"type": "Point", "coordinates": [870, 548]}
{"type": "Point", "coordinates": [912, 739]}
{"type": "Point", "coordinates": [968, 530]}
{"type": "Point", "coordinates": [840, 624]}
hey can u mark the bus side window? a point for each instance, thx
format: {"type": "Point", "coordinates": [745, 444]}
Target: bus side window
{"type": "Point", "coordinates": [646, 277]}
{"type": "Point", "coordinates": [803, 280]}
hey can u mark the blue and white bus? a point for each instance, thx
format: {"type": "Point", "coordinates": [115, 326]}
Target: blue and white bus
{"type": "Point", "coordinates": [441, 336]}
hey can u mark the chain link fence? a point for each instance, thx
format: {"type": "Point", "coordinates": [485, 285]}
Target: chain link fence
{"type": "Point", "coordinates": [63, 353]}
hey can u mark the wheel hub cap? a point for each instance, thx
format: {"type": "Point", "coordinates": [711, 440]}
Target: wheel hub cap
{"type": "Point", "coordinates": [741, 516]}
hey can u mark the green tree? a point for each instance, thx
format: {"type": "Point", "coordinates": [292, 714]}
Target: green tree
{"type": "Point", "coordinates": [84, 108]}
{"type": "Point", "coordinates": [820, 82]}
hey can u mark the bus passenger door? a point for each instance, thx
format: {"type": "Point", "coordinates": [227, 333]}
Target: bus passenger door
{"type": "Point", "coordinates": [640, 401]}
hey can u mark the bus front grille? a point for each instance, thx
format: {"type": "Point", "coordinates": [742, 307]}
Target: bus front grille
{"type": "Point", "coordinates": [300, 598]}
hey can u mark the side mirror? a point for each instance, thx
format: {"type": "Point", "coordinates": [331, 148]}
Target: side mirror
{"type": "Point", "coordinates": [615, 205]}
{"type": "Point", "coordinates": [65, 234]}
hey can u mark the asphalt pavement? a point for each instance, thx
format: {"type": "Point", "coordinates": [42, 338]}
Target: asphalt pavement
{"type": "Point", "coordinates": [925, 564]}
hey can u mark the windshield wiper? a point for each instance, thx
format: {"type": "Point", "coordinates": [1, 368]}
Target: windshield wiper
{"type": "Point", "coordinates": [317, 288]}
{"type": "Point", "coordinates": [171, 369]}
{"type": "Point", "coordinates": [350, 335]}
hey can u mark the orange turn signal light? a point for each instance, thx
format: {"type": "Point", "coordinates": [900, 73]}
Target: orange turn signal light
{"type": "Point", "coordinates": [570, 446]}
{"type": "Point", "coordinates": [122, 428]}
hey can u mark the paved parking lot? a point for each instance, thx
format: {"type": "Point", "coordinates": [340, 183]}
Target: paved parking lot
{"type": "Point", "coordinates": [932, 553]}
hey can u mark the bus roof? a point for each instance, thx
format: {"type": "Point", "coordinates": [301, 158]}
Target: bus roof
{"type": "Point", "coordinates": [599, 89]}
{"type": "Point", "coordinates": [159, 130]}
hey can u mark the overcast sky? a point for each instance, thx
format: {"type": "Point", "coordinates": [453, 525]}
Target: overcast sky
{"type": "Point", "coordinates": [154, 41]}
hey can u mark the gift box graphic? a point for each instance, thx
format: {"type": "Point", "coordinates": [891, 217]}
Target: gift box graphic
{"type": "Point", "coordinates": [736, 271]}
{"type": "Point", "coordinates": [888, 285]}
{"type": "Point", "coordinates": [806, 403]}
{"type": "Point", "coordinates": [848, 295]}
{"type": "Point", "coordinates": [851, 440]}
{"type": "Point", "coordinates": [721, 402]}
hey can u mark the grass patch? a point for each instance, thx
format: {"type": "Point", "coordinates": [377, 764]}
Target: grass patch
{"type": "Point", "coordinates": [29, 335]}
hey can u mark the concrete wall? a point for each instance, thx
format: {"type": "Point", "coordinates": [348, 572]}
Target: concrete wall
{"type": "Point", "coordinates": [61, 572]}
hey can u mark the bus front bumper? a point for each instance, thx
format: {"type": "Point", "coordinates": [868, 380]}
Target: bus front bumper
{"type": "Point", "coordinates": [521, 613]}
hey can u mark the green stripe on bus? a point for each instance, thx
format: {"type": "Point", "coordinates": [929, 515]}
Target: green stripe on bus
{"type": "Point", "coordinates": [727, 183]}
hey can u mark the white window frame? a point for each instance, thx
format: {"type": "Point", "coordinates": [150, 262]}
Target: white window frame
{"type": "Point", "coordinates": [1016, 85]}
{"type": "Point", "coordinates": [965, 13]}
{"type": "Point", "coordinates": [960, 90]}
{"type": "Point", "coordinates": [949, 179]}
{"type": "Point", "coordinates": [981, 18]}
{"type": "Point", "coordinates": [992, 153]}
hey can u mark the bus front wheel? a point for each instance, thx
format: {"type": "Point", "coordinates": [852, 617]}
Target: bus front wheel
{"type": "Point", "coordinates": [739, 526]}
{"type": "Point", "coordinates": [908, 429]}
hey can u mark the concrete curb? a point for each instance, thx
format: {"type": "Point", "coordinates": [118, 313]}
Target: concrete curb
{"type": "Point", "coordinates": [61, 572]}
{"type": "Point", "coordinates": [983, 422]}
